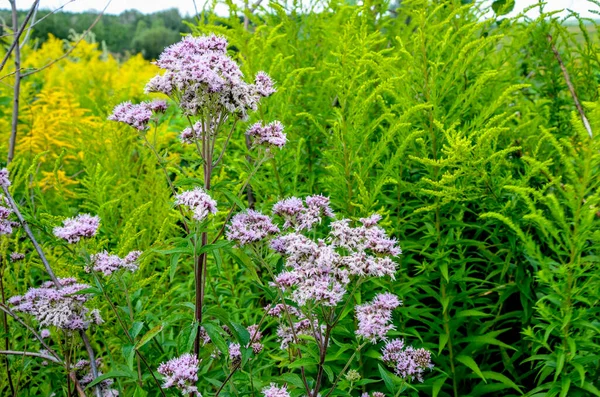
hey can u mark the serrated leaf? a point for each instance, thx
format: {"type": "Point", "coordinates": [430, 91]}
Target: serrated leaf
{"type": "Point", "coordinates": [148, 336]}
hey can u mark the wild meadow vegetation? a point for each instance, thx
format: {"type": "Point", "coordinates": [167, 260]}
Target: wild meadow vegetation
{"type": "Point", "coordinates": [411, 209]}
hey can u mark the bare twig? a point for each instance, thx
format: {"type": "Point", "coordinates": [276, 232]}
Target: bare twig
{"type": "Point", "coordinates": [17, 84]}
{"type": "Point", "coordinates": [6, 310]}
{"type": "Point", "coordinates": [31, 354]}
{"type": "Point", "coordinates": [78, 387]}
{"type": "Point", "coordinates": [26, 38]}
{"type": "Point", "coordinates": [5, 324]}
{"type": "Point", "coordinates": [68, 52]}
{"type": "Point", "coordinates": [18, 35]}
{"type": "Point", "coordinates": [584, 119]}
{"type": "Point", "coordinates": [29, 233]}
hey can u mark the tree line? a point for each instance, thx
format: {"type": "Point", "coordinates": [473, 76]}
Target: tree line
{"type": "Point", "coordinates": [130, 32]}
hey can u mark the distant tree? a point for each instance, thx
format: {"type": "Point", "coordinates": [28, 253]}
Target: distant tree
{"type": "Point", "coordinates": [151, 42]}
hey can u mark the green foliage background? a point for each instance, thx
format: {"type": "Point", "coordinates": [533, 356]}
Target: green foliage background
{"type": "Point", "coordinates": [460, 131]}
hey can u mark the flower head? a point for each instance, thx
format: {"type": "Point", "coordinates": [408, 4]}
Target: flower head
{"type": "Point", "coordinates": [6, 225]}
{"type": "Point", "coordinates": [199, 72]}
{"type": "Point", "coordinates": [407, 362]}
{"type": "Point", "coordinates": [374, 319]}
{"type": "Point", "coordinates": [17, 256]}
{"type": "Point", "coordinates": [4, 180]}
{"type": "Point", "coordinates": [62, 308]}
{"type": "Point", "coordinates": [198, 201]}
{"type": "Point", "coordinates": [74, 229]}
{"type": "Point", "coordinates": [263, 84]}
{"type": "Point", "coordinates": [267, 135]}
{"type": "Point", "coordinates": [275, 391]}
{"type": "Point", "coordinates": [299, 216]}
{"type": "Point", "coordinates": [182, 373]}
{"type": "Point", "coordinates": [250, 227]}
{"type": "Point", "coordinates": [106, 264]}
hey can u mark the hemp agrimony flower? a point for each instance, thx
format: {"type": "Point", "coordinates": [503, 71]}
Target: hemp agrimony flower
{"type": "Point", "coordinates": [137, 116]}
{"type": "Point", "coordinates": [407, 362]}
{"type": "Point", "coordinates": [275, 391]}
{"type": "Point", "coordinates": [4, 179]}
{"type": "Point", "coordinates": [74, 229]}
{"type": "Point", "coordinates": [6, 225]}
{"type": "Point", "coordinates": [250, 227]}
{"type": "Point", "coordinates": [106, 264]}
{"type": "Point", "coordinates": [268, 135]}
{"type": "Point", "coordinates": [374, 319]}
{"type": "Point", "coordinates": [16, 256]}
{"type": "Point", "coordinates": [62, 308]}
{"type": "Point", "coordinates": [198, 201]}
{"type": "Point", "coordinates": [181, 372]}
{"type": "Point", "coordinates": [200, 75]}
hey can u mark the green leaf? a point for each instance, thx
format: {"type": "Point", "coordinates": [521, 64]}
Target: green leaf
{"type": "Point", "coordinates": [241, 333]}
{"type": "Point", "coordinates": [502, 379]}
{"type": "Point", "coordinates": [469, 362]}
{"type": "Point", "coordinates": [136, 328]}
{"type": "Point", "coordinates": [109, 375]}
{"type": "Point", "coordinates": [503, 7]}
{"type": "Point", "coordinates": [565, 386]}
{"type": "Point", "coordinates": [293, 379]}
{"type": "Point", "coordinates": [437, 386]}
{"type": "Point", "coordinates": [387, 379]}
{"type": "Point", "coordinates": [214, 332]}
{"type": "Point", "coordinates": [148, 336]}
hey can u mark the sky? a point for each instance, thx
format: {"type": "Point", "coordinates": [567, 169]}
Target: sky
{"type": "Point", "coordinates": [187, 6]}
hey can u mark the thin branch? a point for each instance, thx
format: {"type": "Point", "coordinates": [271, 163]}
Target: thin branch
{"type": "Point", "coordinates": [78, 387]}
{"type": "Point", "coordinates": [5, 324]}
{"type": "Point", "coordinates": [6, 310]}
{"type": "Point", "coordinates": [69, 51]}
{"type": "Point", "coordinates": [31, 354]}
{"type": "Point", "coordinates": [18, 35]}
{"type": "Point", "coordinates": [17, 84]}
{"type": "Point", "coordinates": [218, 160]}
{"type": "Point", "coordinates": [584, 119]}
{"type": "Point", "coordinates": [29, 233]}
{"type": "Point", "coordinates": [26, 38]}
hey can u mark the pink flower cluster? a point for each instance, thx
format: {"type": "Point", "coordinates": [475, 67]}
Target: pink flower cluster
{"type": "Point", "coordinates": [269, 135]}
{"type": "Point", "coordinates": [106, 264]}
{"type": "Point", "coordinates": [369, 248]}
{"type": "Point", "coordinates": [275, 391]}
{"type": "Point", "coordinates": [314, 272]}
{"type": "Point", "coordinates": [250, 227]}
{"type": "Point", "coordinates": [182, 373]}
{"type": "Point", "coordinates": [303, 215]}
{"type": "Point", "coordinates": [4, 179]}
{"type": "Point", "coordinates": [407, 362]}
{"type": "Point", "coordinates": [199, 74]}
{"type": "Point", "coordinates": [74, 229]}
{"type": "Point", "coordinates": [198, 201]}
{"type": "Point", "coordinates": [374, 394]}
{"type": "Point", "coordinates": [62, 308]}
{"type": "Point", "coordinates": [235, 353]}
{"type": "Point", "coordinates": [137, 116]}
{"type": "Point", "coordinates": [375, 318]}
{"type": "Point", "coordinates": [82, 368]}
{"type": "Point", "coordinates": [16, 256]}
{"type": "Point", "coordinates": [6, 225]}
